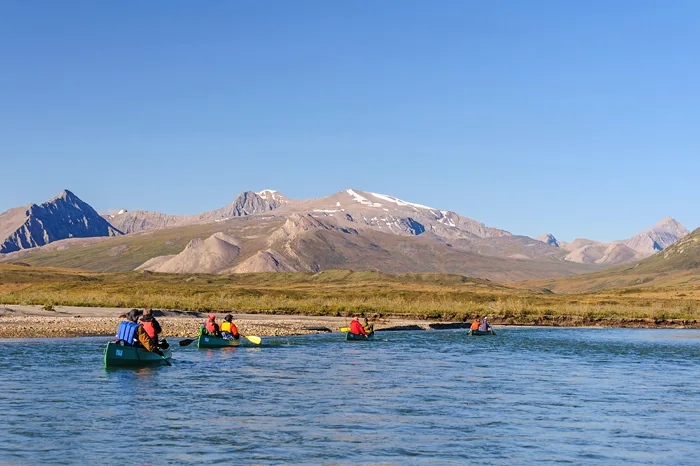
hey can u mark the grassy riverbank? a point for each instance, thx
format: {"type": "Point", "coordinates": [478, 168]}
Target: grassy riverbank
{"type": "Point", "coordinates": [340, 293]}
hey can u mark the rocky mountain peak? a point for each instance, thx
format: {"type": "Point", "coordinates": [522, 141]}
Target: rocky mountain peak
{"type": "Point", "coordinates": [548, 238]}
{"type": "Point", "coordinates": [64, 216]}
{"type": "Point", "coordinates": [273, 198]}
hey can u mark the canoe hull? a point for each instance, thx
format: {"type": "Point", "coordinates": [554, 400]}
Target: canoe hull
{"type": "Point", "coordinates": [354, 337]}
{"type": "Point", "coordinates": [207, 341]}
{"type": "Point", "coordinates": [478, 333]}
{"type": "Point", "coordinates": [129, 356]}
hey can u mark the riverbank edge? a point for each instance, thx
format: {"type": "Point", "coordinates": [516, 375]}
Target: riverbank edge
{"type": "Point", "coordinates": [21, 321]}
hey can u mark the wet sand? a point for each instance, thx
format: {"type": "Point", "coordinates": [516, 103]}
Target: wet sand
{"type": "Point", "coordinates": [65, 321]}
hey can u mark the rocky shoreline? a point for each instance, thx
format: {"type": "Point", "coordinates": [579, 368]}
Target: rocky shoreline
{"type": "Point", "coordinates": [65, 322]}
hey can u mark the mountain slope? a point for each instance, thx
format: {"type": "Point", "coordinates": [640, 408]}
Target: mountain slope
{"type": "Point", "coordinates": [676, 266]}
{"type": "Point", "coordinates": [65, 216]}
{"type": "Point", "coordinates": [300, 242]}
{"type": "Point", "coordinates": [246, 203]}
{"type": "Point", "coordinates": [642, 245]}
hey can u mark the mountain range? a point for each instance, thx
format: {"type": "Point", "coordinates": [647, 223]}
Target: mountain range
{"type": "Point", "coordinates": [266, 231]}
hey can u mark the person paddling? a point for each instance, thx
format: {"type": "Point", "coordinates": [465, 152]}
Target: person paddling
{"type": "Point", "coordinates": [212, 327]}
{"type": "Point", "coordinates": [229, 331]}
{"type": "Point", "coordinates": [484, 327]}
{"type": "Point", "coordinates": [369, 328]}
{"type": "Point", "coordinates": [126, 332]}
{"type": "Point", "coordinates": [475, 324]}
{"type": "Point", "coordinates": [153, 329]}
{"type": "Point", "coordinates": [356, 328]}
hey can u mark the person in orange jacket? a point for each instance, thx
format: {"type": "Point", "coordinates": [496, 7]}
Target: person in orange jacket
{"type": "Point", "coordinates": [475, 325]}
{"type": "Point", "coordinates": [228, 329]}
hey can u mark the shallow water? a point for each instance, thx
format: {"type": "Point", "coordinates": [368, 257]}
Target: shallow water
{"type": "Point", "coordinates": [599, 396]}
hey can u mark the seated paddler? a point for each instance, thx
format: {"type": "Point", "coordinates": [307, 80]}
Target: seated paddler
{"type": "Point", "coordinates": [356, 327]}
{"type": "Point", "coordinates": [153, 329]}
{"type": "Point", "coordinates": [369, 328]}
{"type": "Point", "coordinates": [211, 327]}
{"type": "Point", "coordinates": [126, 332]}
{"type": "Point", "coordinates": [228, 329]}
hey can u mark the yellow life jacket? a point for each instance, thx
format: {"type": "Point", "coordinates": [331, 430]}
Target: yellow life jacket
{"type": "Point", "coordinates": [226, 327]}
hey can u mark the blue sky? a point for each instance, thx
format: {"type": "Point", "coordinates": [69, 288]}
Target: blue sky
{"type": "Point", "coordinates": [575, 118]}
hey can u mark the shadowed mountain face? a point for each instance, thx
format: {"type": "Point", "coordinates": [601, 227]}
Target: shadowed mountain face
{"type": "Point", "coordinates": [64, 216]}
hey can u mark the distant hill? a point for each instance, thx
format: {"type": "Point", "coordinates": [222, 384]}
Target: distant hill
{"type": "Point", "coordinates": [297, 242]}
{"type": "Point", "coordinates": [267, 232]}
{"type": "Point", "coordinates": [677, 266]}
{"type": "Point", "coordinates": [65, 216]}
{"type": "Point", "coordinates": [246, 203]}
{"type": "Point", "coordinates": [642, 245]}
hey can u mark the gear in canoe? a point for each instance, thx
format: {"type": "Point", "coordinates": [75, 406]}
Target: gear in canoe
{"type": "Point", "coordinates": [134, 344]}
{"type": "Point", "coordinates": [359, 332]}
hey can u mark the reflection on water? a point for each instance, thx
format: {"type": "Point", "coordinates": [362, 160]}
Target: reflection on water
{"type": "Point", "coordinates": [523, 396]}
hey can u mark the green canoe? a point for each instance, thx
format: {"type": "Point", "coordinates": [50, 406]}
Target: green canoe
{"type": "Point", "coordinates": [476, 333]}
{"type": "Point", "coordinates": [358, 337]}
{"type": "Point", "coordinates": [208, 341]}
{"type": "Point", "coordinates": [124, 356]}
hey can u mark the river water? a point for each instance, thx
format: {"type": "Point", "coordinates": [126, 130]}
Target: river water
{"type": "Point", "coordinates": [525, 396]}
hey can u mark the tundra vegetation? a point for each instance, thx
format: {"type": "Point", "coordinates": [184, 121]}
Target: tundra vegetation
{"type": "Point", "coordinates": [341, 293]}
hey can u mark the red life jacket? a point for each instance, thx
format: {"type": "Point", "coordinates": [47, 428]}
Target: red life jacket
{"type": "Point", "coordinates": [150, 330]}
{"type": "Point", "coordinates": [211, 326]}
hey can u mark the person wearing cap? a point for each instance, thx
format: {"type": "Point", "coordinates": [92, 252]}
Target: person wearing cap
{"type": "Point", "coordinates": [484, 324]}
{"type": "Point", "coordinates": [356, 328]}
{"type": "Point", "coordinates": [151, 325]}
{"type": "Point", "coordinates": [153, 329]}
{"type": "Point", "coordinates": [212, 327]}
{"type": "Point", "coordinates": [126, 332]}
{"type": "Point", "coordinates": [228, 329]}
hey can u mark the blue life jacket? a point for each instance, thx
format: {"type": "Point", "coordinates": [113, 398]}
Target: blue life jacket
{"type": "Point", "coordinates": [127, 332]}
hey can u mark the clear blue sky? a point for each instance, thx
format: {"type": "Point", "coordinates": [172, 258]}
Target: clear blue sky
{"type": "Point", "coordinates": [576, 118]}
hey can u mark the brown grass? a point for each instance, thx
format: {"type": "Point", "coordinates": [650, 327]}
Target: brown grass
{"type": "Point", "coordinates": [428, 296]}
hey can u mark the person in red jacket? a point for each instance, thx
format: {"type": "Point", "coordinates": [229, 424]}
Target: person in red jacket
{"type": "Point", "coordinates": [212, 327]}
{"type": "Point", "coordinates": [357, 328]}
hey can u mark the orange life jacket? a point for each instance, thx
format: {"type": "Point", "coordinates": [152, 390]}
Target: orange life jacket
{"type": "Point", "coordinates": [150, 330]}
{"type": "Point", "coordinates": [475, 325]}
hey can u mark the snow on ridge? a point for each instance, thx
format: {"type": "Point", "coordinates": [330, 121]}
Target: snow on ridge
{"type": "Point", "coordinates": [361, 199]}
{"type": "Point", "coordinates": [384, 197]}
{"type": "Point", "coordinates": [267, 191]}
{"type": "Point", "coordinates": [326, 210]}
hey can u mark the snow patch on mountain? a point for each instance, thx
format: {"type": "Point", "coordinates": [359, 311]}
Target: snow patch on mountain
{"type": "Point", "coordinates": [399, 202]}
{"type": "Point", "coordinates": [361, 199]}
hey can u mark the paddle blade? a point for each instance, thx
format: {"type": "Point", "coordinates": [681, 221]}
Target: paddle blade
{"type": "Point", "coordinates": [186, 342]}
{"type": "Point", "coordinates": [167, 363]}
{"type": "Point", "coordinates": [253, 339]}
{"type": "Point", "coordinates": [344, 329]}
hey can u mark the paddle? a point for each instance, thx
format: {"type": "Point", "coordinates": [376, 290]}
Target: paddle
{"type": "Point", "coordinates": [187, 342]}
{"type": "Point", "coordinates": [253, 339]}
{"type": "Point", "coordinates": [167, 363]}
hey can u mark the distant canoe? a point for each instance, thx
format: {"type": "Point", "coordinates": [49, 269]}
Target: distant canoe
{"type": "Point", "coordinates": [476, 333]}
{"type": "Point", "coordinates": [117, 355]}
{"type": "Point", "coordinates": [358, 337]}
{"type": "Point", "coordinates": [208, 341]}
